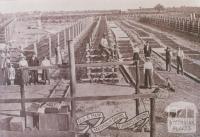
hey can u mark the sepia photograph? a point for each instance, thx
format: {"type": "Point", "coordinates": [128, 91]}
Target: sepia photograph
{"type": "Point", "coordinates": [99, 68]}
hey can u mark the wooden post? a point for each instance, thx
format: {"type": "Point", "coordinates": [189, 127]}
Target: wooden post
{"type": "Point", "coordinates": [69, 33]}
{"type": "Point", "coordinates": [76, 28]}
{"type": "Point", "coordinates": [35, 49]}
{"type": "Point", "coordinates": [58, 38]}
{"type": "Point", "coordinates": [198, 27]}
{"type": "Point", "coordinates": [72, 83]}
{"type": "Point", "coordinates": [74, 31]}
{"type": "Point", "coordinates": [65, 39]}
{"type": "Point", "coordinates": [22, 92]}
{"type": "Point", "coordinates": [81, 26]}
{"type": "Point", "coordinates": [152, 118]}
{"type": "Point", "coordinates": [50, 47]}
{"type": "Point", "coordinates": [184, 25]}
{"type": "Point", "coordinates": [137, 86]}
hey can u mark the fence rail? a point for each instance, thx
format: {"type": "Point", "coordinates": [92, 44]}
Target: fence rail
{"type": "Point", "coordinates": [180, 24]}
{"type": "Point", "coordinates": [85, 98]}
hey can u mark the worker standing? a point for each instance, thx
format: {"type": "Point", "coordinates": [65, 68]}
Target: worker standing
{"type": "Point", "coordinates": [11, 74]}
{"type": "Point", "coordinates": [148, 73]}
{"type": "Point", "coordinates": [168, 59]}
{"type": "Point", "coordinates": [180, 58]}
{"type": "Point", "coordinates": [5, 66]}
{"type": "Point", "coordinates": [34, 73]}
{"type": "Point", "coordinates": [23, 63]}
{"type": "Point", "coordinates": [136, 51]}
{"type": "Point", "coordinates": [104, 48]}
{"type": "Point", "coordinates": [3, 58]}
{"type": "Point", "coordinates": [45, 72]}
{"type": "Point", "coordinates": [147, 49]}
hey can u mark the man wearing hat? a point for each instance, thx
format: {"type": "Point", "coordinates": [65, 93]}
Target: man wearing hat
{"type": "Point", "coordinates": [45, 72]}
{"type": "Point", "coordinates": [34, 73]}
{"type": "Point", "coordinates": [148, 73]}
{"type": "Point", "coordinates": [23, 63]}
{"type": "Point", "coordinates": [11, 74]}
{"type": "Point", "coordinates": [147, 49]}
{"type": "Point", "coordinates": [104, 48]}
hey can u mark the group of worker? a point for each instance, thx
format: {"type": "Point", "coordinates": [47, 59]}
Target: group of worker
{"type": "Point", "coordinates": [106, 49]}
{"type": "Point", "coordinates": [179, 59]}
{"type": "Point", "coordinates": [7, 69]}
{"type": "Point", "coordinates": [148, 65]}
{"type": "Point", "coordinates": [29, 76]}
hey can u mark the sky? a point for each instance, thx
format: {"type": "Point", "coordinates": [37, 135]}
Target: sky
{"type": "Point", "coordinates": [7, 6]}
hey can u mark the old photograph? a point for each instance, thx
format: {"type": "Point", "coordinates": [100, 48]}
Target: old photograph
{"type": "Point", "coordinates": [99, 68]}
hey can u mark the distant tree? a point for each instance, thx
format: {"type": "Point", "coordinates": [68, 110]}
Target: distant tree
{"type": "Point", "coordinates": [159, 7]}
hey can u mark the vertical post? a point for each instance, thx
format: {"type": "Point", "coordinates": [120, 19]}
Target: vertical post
{"type": "Point", "coordinates": [58, 38]}
{"type": "Point", "coordinates": [137, 86]}
{"type": "Point", "coordinates": [74, 30]}
{"type": "Point", "coordinates": [198, 27]}
{"type": "Point", "coordinates": [69, 33]}
{"type": "Point", "coordinates": [183, 24]}
{"type": "Point", "coordinates": [79, 27]}
{"type": "Point", "coordinates": [5, 34]}
{"type": "Point", "coordinates": [152, 118]}
{"type": "Point", "coordinates": [65, 39]}
{"type": "Point", "coordinates": [22, 92]}
{"type": "Point", "coordinates": [35, 49]}
{"type": "Point", "coordinates": [72, 83]}
{"type": "Point", "coordinates": [50, 47]}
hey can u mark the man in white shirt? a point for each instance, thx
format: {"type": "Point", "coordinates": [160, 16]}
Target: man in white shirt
{"type": "Point", "coordinates": [45, 72]}
{"type": "Point", "coordinates": [148, 73]}
{"type": "Point", "coordinates": [23, 63]}
{"type": "Point", "coordinates": [11, 74]}
{"type": "Point", "coordinates": [179, 58]}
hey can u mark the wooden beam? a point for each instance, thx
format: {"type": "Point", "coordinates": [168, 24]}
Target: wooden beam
{"type": "Point", "coordinates": [39, 133]}
{"type": "Point", "coordinates": [86, 98]}
{"type": "Point", "coordinates": [137, 87]}
{"type": "Point", "coordinates": [84, 65]}
{"type": "Point", "coordinates": [72, 83]}
{"type": "Point", "coordinates": [22, 93]}
{"type": "Point", "coordinates": [152, 118]}
{"type": "Point", "coordinates": [105, 64]}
